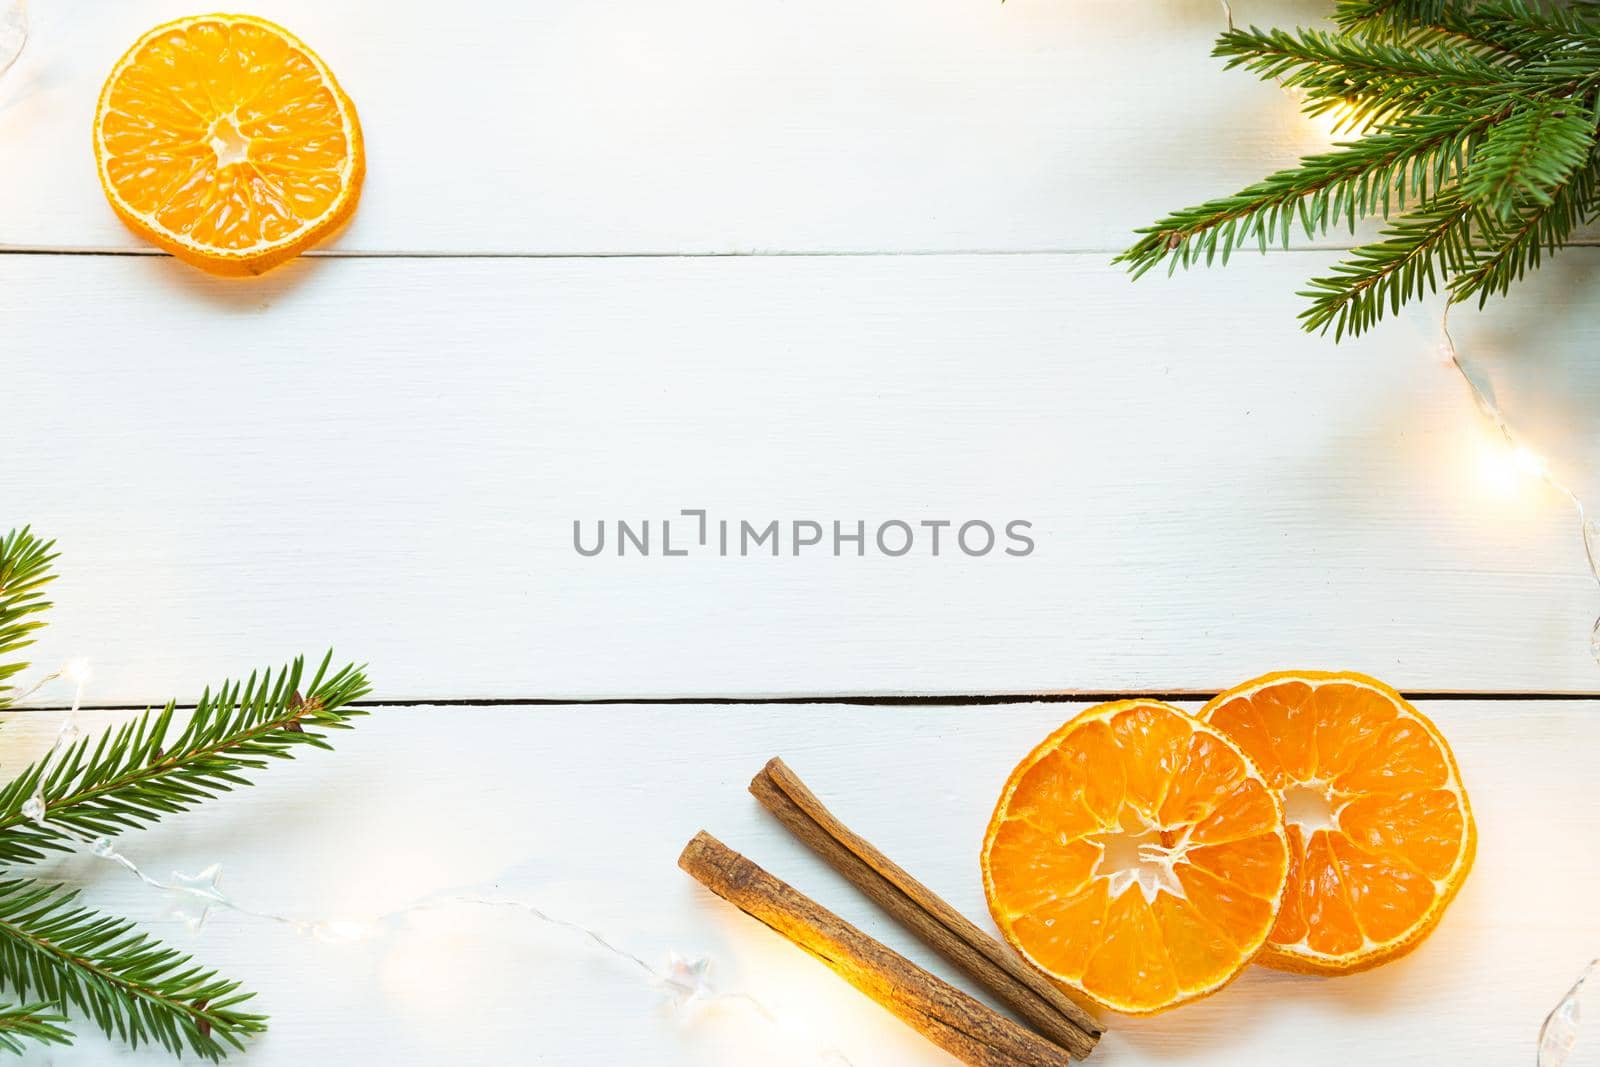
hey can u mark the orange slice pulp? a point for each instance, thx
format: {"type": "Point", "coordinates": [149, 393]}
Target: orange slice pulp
{"type": "Point", "coordinates": [226, 141]}
{"type": "Point", "coordinates": [1381, 835]}
{"type": "Point", "coordinates": [1137, 857]}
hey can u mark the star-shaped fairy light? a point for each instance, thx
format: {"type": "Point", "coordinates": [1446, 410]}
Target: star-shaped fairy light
{"type": "Point", "coordinates": [687, 981]}
{"type": "Point", "coordinates": [196, 894]}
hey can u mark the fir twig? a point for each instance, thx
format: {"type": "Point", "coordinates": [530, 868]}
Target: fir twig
{"type": "Point", "coordinates": [1528, 156]}
{"type": "Point", "coordinates": [131, 985]}
{"type": "Point", "coordinates": [21, 1023]}
{"type": "Point", "coordinates": [1406, 262]}
{"type": "Point", "coordinates": [1401, 162]}
{"type": "Point", "coordinates": [1376, 17]}
{"type": "Point", "coordinates": [132, 776]}
{"type": "Point", "coordinates": [1369, 81]}
{"type": "Point", "coordinates": [1550, 39]}
{"type": "Point", "coordinates": [1480, 127]}
{"type": "Point", "coordinates": [1505, 250]}
{"type": "Point", "coordinates": [24, 571]}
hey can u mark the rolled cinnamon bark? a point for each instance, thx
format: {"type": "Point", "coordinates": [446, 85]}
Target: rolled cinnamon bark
{"type": "Point", "coordinates": [970, 1031]}
{"type": "Point", "coordinates": [998, 969]}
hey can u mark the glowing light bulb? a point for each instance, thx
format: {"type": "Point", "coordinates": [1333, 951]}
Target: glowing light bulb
{"type": "Point", "coordinates": [1330, 121]}
{"type": "Point", "coordinates": [1506, 470]}
{"type": "Point", "coordinates": [1529, 462]}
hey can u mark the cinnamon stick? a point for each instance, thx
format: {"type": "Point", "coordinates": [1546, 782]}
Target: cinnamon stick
{"type": "Point", "coordinates": [996, 967]}
{"type": "Point", "coordinates": [970, 1031]}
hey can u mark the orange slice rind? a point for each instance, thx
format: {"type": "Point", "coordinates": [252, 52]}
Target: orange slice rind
{"type": "Point", "coordinates": [228, 142]}
{"type": "Point", "coordinates": [1380, 829]}
{"type": "Point", "coordinates": [1137, 857]}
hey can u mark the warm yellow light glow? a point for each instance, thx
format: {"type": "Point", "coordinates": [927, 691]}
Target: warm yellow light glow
{"type": "Point", "coordinates": [77, 671]}
{"type": "Point", "coordinates": [437, 965]}
{"type": "Point", "coordinates": [1530, 462]}
{"type": "Point", "coordinates": [1336, 122]}
{"type": "Point", "coordinates": [1506, 470]}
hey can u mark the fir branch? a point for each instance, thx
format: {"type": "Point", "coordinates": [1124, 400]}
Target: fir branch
{"type": "Point", "coordinates": [1527, 157]}
{"type": "Point", "coordinates": [1377, 17]}
{"type": "Point", "coordinates": [21, 1023]}
{"type": "Point", "coordinates": [1369, 81]}
{"type": "Point", "coordinates": [1504, 27]}
{"type": "Point", "coordinates": [1406, 262]}
{"type": "Point", "coordinates": [134, 775]}
{"type": "Point", "coordinates": [1454, 32]}
{"type": "Point", "coordinates": [131, 985]}
{"type": "Point", "coordinates": [1484, 114]}
{"type": "Point", "coordinates": [1405, 160]}
{"type": "Point", "coordinates": [1542, 35]}
{"type": "Point", "coordinates": [24, 571]}
{"type": "Point", "coordinates": [1502, 252]}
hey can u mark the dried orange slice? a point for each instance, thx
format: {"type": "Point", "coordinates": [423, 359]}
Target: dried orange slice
{"type": "Point", "coordinates": [1381, 834]}
{"type": "Point", "coordinates": [1137, 857]}
{"type": "Point", "coordinates": [226, 141]}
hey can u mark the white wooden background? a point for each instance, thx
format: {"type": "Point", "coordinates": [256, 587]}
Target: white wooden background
{"type": "Point", "coordinates": [824, 260]}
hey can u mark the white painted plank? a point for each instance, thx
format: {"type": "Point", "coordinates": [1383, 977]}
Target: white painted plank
{"type": "Point", "coordinates": [716, 125]}
{"type": "Point", "coordinates": [388, 456]}
{"type": "Point", "coordinates": [582, 811]}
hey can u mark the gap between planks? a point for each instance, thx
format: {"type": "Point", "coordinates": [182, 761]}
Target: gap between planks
{"type": "Point", "coordinates": [842, 253]}
{"type": "Point", "coordinates": [857, 700]}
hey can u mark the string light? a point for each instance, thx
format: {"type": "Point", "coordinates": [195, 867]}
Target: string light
{"type": "Point", "coordinates": [1559, 1034]}
{"type": "Point", "coordinates": [13, 31]}
{"type": "Point", "coordinates": [1518, 457]}
{"type": "Point", "coordinates": [77, 672]}
{"type": "Point", "coordinates": [36, 686]}
{"type": "Point", "coordinates": [684, 980]}
{"type": "Point", "coordinates": [1528, 462]}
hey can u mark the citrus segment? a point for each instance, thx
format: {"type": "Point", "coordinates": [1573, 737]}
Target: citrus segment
{"type": "Point", "coordinates": [1380, 830]}
{"type": "Point", "coordinates": [1201, 954]}
{"type": "Point", "coordinates": [226, 141]}
{"type": "Point", "coordinates": [1132, 957]}
{"type": "Point", "coordinates": [1137, 857]}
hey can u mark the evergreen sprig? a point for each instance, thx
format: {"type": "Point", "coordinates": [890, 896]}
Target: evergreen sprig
{"type": "Point", "coordinates": [131, 985]}
{"type": "Point", "coordinates": [1367, 81]}
{"type": "Point", "coordinates": [39, 1022]}
{"type": "Point", "coordinates": [69, 957]}
{"type": "Point", "coordinates": [1477, 145]}
{"type": "Point", "coordinates": [1379, 16]}
{"type": "Point", "coordinates": [132, 776]}
{"type": "Point", "coordinates": [24, 572]}
{"type": "Point", "coordinates": [1406, 262]}
{"type": "Point", "coordinates": [1528, 157]}
{"type": "Point", "coordinates": [1403, 161]}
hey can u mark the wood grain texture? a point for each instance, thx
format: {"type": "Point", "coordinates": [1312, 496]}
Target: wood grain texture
{"type": "Point", "coordinates": [725, 126]}
{"type": "Point", "coordinates": [582, 811]}
{"type": "Point", "coordinates": [388, 456]}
